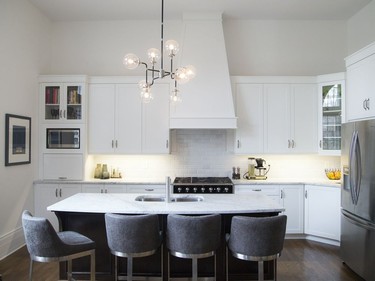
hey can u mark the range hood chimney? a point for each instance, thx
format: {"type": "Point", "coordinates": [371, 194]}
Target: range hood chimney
{"type": "Point", "coordinates": [207, 101]}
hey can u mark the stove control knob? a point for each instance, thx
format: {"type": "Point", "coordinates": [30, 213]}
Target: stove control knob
{"type": "Point", "coordinates": [187, 189]}
{"type": "Point", "coordinates": [218, 189]}
{"type": "Point", "coordinates": [210, 189]}
{"type": "Point", "coordinates": [195, 189]}
{"type": "Point", "coordinates": [226, 189]}
{"type": "Point", "coordinates": [203, 189]}
{"type": "Point", "coordinates": [179, 189]}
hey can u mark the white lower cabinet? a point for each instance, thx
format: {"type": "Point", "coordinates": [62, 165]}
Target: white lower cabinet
{"type": "Point", "coordinates": [46, 194]}
{"type": "Point", "coordinates": [322, 211]}
{"type": "Point", "coordinates": [104, 188]}
{"type": "Point", "coordinates": [146, 188]}
{"type": "Point", "coordinates": [292, 200]}
{"type": "Point", "coordinates": [288, 196]}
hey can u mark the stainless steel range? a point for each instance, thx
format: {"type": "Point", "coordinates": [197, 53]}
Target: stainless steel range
{"type": "Point", "coordinates": [203, 185]}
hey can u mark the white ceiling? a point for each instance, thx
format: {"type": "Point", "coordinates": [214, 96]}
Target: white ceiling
{"type": "Point", "coordinates": [87, 10]}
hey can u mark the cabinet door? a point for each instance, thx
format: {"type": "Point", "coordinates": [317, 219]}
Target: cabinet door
{"type": "Point", "coordinates": [62, 102]}
{"type": "Point", "coordinates": [101, 121]}
{"type": "Point", "coordinates": [155, 121]}
{"type": "Point", "coordinates": [292, 200]}
{"type": "Point", "coordinates": [322, 211]}
{"type": "Point", "coordinates": [48, 194]}
{"type": "Point", "coordinates": [249, 106]}
{"type": "Point", "coordinates": [128, 119]}
{"type": "Point", "coordinates": [330, 117]}
{"type": "Point", "coordinates": [63, 166]}
{"type": "Point", "coordinates": [360, 96]}
{"type": "Point", "coordinates": [277, 118]}
{"type": "Point", "coordinates": [303, 128]}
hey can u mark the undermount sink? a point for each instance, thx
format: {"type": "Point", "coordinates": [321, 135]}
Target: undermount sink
{"type": "Point", "coordinates": [161, 198]}
{"type": "Point", "coordinates": [187, 199]}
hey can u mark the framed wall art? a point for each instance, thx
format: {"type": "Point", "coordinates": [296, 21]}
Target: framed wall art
{"type": "Point", "coordinates": [17, 140]}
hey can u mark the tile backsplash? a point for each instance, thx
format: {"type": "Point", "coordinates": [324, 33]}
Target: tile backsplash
{"type": "Point", "coordinates": [209, 153]}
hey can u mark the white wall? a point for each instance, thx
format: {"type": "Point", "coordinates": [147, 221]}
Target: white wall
{"type": "Point", "coordinates": [98, 48]}
{"type": "Point", "coordinates": [253, 47]}
{"type": "Point", "coordinates": [361, 28]}
{"type": "Point", "coordinates": [257, 47]}
{"type": "Point", "coordinates": [23, 51]}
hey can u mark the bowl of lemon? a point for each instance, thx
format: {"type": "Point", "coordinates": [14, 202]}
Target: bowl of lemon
{"type": "Point", "coordinates": [333, 174]}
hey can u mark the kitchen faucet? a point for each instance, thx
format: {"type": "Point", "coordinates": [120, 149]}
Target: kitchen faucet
{"type": "Point", "coordinates": [167, 189]}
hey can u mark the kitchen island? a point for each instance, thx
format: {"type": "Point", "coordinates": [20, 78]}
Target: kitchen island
{"type": "Point", "coordinates": [84, 212]}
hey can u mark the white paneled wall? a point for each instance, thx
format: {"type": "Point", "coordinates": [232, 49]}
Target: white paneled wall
{"type": "Point", "coordinates": [210, 153]}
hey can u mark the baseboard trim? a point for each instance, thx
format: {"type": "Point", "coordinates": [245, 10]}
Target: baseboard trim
{"type": "Point", "coordinates": [11, 242]}
{"type": "Point", "coordinates": [313, 238]}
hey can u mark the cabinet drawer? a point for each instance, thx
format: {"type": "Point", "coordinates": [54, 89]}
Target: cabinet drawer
{"type": "Point", "coordinates": [269, 190]}
{"type": "Point", "coordinates": [145, 188]}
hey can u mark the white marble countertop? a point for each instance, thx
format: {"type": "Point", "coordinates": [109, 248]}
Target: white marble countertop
{"type": "Point", "coordinates": [126, 204]}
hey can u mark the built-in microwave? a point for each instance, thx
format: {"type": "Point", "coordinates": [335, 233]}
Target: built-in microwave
{"type": "Point", "coordinates": [63, 138]}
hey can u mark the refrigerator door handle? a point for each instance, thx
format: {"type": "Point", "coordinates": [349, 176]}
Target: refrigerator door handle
{"type": "Point", "coordinates": [361, 223]}
{"type": "Point", "coordinates": [358, 160]}
{"type": "Point", "coordinates": [351, 167]}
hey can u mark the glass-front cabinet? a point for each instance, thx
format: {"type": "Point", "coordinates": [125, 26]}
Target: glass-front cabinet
{"type": "Point", "coordinates": [331, 101]}
{"type": "Point", "coordinates": [62, 101]}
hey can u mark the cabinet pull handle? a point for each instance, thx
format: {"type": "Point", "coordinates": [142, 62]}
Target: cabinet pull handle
{"type": "Point", "coordinates": [56, 194]}
{"type": "Point", "coordinates": [364, 104]}
{"type": "Point", "coordinates": [113, 143]}
{"type": "Point", "coordinates": [238, 143]}
{"type": "Point", "coordinates": [293, 144]}
{"type": "Point", "coordinates": [368, 104]}
{"type": "Point", "coordinates": [105, 191]}
{"type": "Point", "coordinates": [255, 189]}
{"type": "Point", "coordinates": [320, 143]}
{"type": "Point", "coordinates": [116, 143]}
{"type": "Point", "coordinates": [101, 190]}
{"type": "Point", "coordinates": [60, 192]}
{"type": "Point", "coordinates": [306, 194]}
{"type": "Point", "coordinates": [149, 189]}
{"type": "Point", "coordinates": [288, 143]}
{"type": "Point", "coordinates": [281, 194]}
{"type": "Point", "coordinates": [60, 113]}
{"type": "Point", "coordinates": [166, 144]}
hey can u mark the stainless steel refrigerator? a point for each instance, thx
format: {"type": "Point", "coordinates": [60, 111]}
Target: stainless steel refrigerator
{"type": "Point", "coordinates": [358, 197]}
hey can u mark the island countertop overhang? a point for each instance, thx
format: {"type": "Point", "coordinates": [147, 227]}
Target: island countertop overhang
{"type": "Point", "coordinates": [125, 203]}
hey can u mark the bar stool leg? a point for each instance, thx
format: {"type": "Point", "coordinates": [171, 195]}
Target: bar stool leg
{"type": "Point", "coordinates": [130, 268]}
{"type": "Point", "coordinates": [70, 270]}
{"type": "Point", "coordinates": [92, 267]}
{"type": "Point", "coordinates": [260, 271]}
{"type": "Point", "coordinates": [116, 269]}
{"type": "Point", "coordinates": [195, 269]}
{"type": "Point", "coordinates": [31, 270]}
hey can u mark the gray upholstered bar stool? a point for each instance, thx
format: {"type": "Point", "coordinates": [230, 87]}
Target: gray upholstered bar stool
{"type": "Point", "coordinates": [256, 239]}
{"type": "Point", "coordinates": [193, 237]}
{"type": "Point", "coordinates": [46, 245]}
{"type": "Point", "coordinates": [132, 236]}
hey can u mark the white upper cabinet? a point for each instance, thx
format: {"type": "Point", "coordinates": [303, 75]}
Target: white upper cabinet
{"type": "Point", "coordinates": [303, 121]}
{"type": "Point", "coordinates": [249, 106]}
{"type": "Point", "coordinates": [62, 99]}
{"type": "Point", "coordinates": [119, 123]}
{"type": "Point", "coordinates": [291, 118]}
{"type": "Point", "coordinates": [276, 115]}
{"type": "Point", "coordinates": [360, 94]}
{"type": "Point", "coordinates": [331, 114]}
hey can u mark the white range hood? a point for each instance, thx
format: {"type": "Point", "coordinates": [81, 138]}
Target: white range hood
{"type": "Point", "coordinates": [207, 101]}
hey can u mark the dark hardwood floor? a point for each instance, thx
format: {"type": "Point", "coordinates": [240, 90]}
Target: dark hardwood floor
{"type": "Point", "coordinates": [301, 260]}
